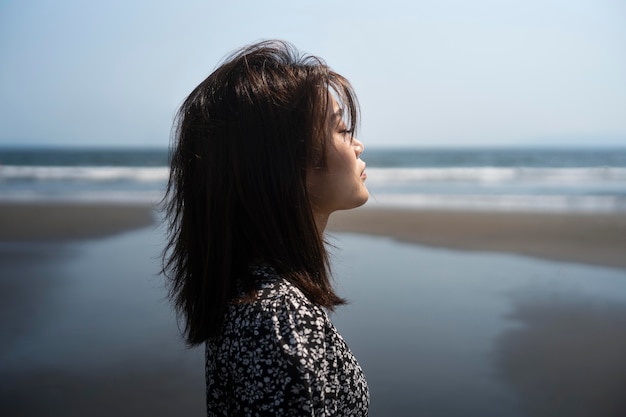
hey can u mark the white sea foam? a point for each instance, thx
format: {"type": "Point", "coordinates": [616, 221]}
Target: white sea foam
{"type": "Point", "coordinates": [495, 175]}
{"type": "Point", "coordinates": [140, 197]}
{"type": "Point", "coordinates": [599, 189]}
{"type": "Point", "coordinates": [486, 175]}
{"type": "Point", "coordinates": [42, 173]}
{"type": "Point", "coordinates": [376, 176]}
{"type": "Point", "coordinates": [550, 203]}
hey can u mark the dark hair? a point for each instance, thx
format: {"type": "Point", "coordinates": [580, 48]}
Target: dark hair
{"type": "Point", "coordinates": [243, 143]}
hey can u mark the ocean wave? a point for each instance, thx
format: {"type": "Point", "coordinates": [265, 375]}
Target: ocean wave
{"type": "Point", "coordinates": [510, 202]}
{"type": "Point", "coordinates": [376, 176]}
{"type": "Point", "coordinates": [87, 173]}
{"type": "Point", "coordinates": [497, 175]}
{"type": "Point", "coordinates": [121, 197]}
{"type": "Point", "coordinates": [601, 189]}
{"type": "Point", "coordinates": [552, 203]}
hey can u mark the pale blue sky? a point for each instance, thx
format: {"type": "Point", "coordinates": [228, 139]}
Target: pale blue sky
{"type": "Point", "coordinates": [429, 73]}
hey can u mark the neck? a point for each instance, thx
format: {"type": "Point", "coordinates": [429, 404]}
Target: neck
{"type": "Point", "coordinates": [321, 220]}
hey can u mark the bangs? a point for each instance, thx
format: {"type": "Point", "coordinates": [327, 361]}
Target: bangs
{"type": "Point", "coordinates": [339, 88]}
{"type": "Point", "coordinates": [343, 93]}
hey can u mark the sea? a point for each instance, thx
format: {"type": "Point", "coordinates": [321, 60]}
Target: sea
{"type": "Point", "coordinates": [527, 179]}
{"type": "Point", "coordinates": [438, 332]}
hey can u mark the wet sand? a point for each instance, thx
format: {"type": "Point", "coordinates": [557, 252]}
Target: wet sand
{"type": "Point", "coordinates": [65, 221]}
{"type": "Point", "coordinates": [597, 239]}
{"type": "Point", "coordinates": [569, 358]}
{"type": "Point", "coordinates": [87, 330]}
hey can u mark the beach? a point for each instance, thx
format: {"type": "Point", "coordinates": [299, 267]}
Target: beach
{"type": "Point", "coordinates": [592, 238]}
{"type": "Point", "coordinates": [45, 221]}
{"type": "Point", "coordinates": [488, 313]}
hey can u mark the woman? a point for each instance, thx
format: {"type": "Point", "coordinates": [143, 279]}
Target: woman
{"type": "Point", "coordinates": [264, 152]}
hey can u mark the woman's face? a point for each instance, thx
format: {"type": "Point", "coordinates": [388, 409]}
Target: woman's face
{"type": "Point", "coordinates": [340, 185]}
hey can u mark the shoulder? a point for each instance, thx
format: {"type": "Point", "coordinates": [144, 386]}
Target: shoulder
{"type": "Point", "coordinates": [281, 352]}
{"type": "Point", "coordinates": [280, 320]}
{"type": "Point", "coordinates": [275, 292]}
{"type": "Point", "coordinates": [277, 302]}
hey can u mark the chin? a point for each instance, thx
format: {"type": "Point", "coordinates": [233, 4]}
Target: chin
{"type": "Point", "coordinates": [362, 200]}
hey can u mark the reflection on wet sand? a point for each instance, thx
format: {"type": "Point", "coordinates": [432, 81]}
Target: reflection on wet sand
{"type": "Point", "coordinates": [568, 358]}
{"type": "Point", "coordinates": [85, 328]}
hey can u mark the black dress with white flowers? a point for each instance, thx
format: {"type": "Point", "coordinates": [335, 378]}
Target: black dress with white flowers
{"type": "Point", "coordinates": [279, 355]}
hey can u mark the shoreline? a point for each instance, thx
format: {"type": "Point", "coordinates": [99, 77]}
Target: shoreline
{"type": "Point", "coordinates": [588, 238]}
{"type": "Point", "coordinates": [87, 322]}
{"type": "Point", "coordinates": [53, 221]}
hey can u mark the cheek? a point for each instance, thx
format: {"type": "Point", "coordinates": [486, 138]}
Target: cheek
{"type": "Point", "coordinates": [342, 158]}
{"type": "Point", "coordinates": [317, 185]}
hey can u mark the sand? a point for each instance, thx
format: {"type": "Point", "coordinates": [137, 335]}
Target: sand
{"type": "Point", "coordinates": [68, 221]}
{"type": "Point", "coordinates": [566, 357]}
{"type": "Point", "coordinates": [596, 239]}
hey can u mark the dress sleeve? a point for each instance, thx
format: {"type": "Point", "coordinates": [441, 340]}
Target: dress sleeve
{"type": "Point", "coordinates": [278, 365]}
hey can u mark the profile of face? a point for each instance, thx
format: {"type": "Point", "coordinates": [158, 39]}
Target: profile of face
{"type": "Point", "coordinates": [340, 185]}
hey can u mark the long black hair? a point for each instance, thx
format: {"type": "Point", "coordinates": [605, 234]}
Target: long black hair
{"type": "Point", "coordinates": [243, 142]}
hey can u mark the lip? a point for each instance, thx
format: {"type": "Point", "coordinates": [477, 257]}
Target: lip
{"type": "Point", "coordinates": [363, 174]}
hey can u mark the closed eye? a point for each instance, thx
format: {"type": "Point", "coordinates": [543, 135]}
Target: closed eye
{"type": "Point", "coordinates": [343, 129]}
{"type": "Point", "coordinates": [347, 133]}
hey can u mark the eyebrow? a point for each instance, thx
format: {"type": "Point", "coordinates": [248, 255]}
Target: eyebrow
{"type": "Point", "coordinates": [339, 113]}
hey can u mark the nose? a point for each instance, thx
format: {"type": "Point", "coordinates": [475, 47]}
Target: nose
{"type": "Point", "coordinates": [358, 147]}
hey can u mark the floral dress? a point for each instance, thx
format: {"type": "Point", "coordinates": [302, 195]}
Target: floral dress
{"type": "Point", "coordinates": [279, 355]}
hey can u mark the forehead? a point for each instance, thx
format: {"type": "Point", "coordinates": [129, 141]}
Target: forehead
{"type": "Point", "coordinates": [335, 109]}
